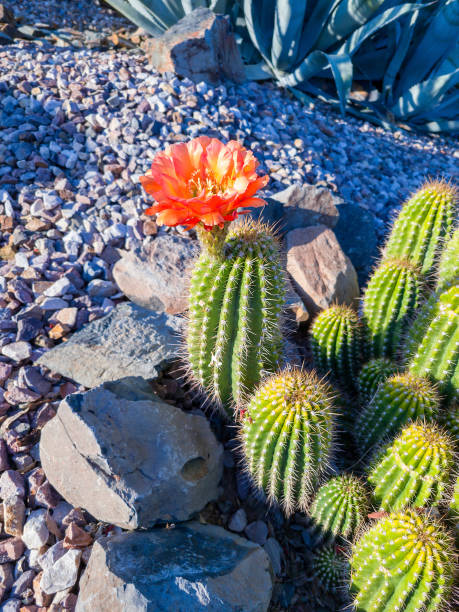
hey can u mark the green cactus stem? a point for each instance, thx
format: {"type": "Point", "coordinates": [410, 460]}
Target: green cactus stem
{"type": "Point", "coordinates": [391, 298]}
{"type": "Point", "coordinates": [415, 469]}
{"type": "Point", "coordinates": [398, 400]}
{"type": "Point", "coordinates": [340, 506]}
{"type": "Point", "coordinates": [287, 437]}
{"type": "Point", "coordinates": [338, 343]}
{"type": "Point", "coordinates": [454, 505]}
{"type": "Point", "coordinates": [405, 563]}
{"type": "Point", "coordinates": [448, 268]}
{"type": "Point", "coordinates": [435, 348]}
{"type": "Point", "coordinates": [422, 226]}
{"type": "Point", "coordinates": [236, 300]}
{"type": "Point", "coordinates": [372, 374]}
{"type": "Point", "coordinates": [449, 418]}
{"type": "Point", "coordinates": [331, 568]}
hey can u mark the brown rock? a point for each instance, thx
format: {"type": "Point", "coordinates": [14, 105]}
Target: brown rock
{"type": "Point", "coordinates": [58, 331]}
{"type": "Point", "coordinates": [200, 46]}
{"type": "Point", "coordinates": [13, 515]}
{"type": "Point", "coordinates": [41, 598]}
{"type": "Point", "coordinates": [150, 228]}
{"type": "Point", "coordinates": [6, 223]}
{"type": "Point", "coordinates": [76, 537]}
{"type": "Point", "coordinates": [37, 225]}
{"type": "Point", "coordinates": [11, 549]}
{"type": "Point", "coordinates": [322, 274]}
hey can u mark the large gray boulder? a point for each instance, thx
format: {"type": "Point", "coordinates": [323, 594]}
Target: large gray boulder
{"type": "Point", "coordinates": [129, 341]}
{"type": "Point", "coordinates": [200, 46]}
{"type": "Point", "coordinates": [156, 276]}
{"type": "Point", "coordinates": [129, 458]}
{"type": "Point", "coordinates": [190, 568]}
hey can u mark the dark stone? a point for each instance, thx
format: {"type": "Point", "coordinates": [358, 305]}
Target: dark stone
{"type": "Point", "coordinates": [28, 329]}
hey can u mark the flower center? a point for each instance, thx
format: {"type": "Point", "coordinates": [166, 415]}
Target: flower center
{"type": "Point", "coordinates": [196, 184]}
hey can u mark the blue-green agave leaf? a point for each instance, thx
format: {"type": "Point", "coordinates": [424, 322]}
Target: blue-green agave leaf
{"type": "Point", "coordinates": [288, 24]}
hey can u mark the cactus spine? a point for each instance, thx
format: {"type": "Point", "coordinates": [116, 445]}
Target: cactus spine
{"type": "Point", "coordinates": [338, 343]}
{"type": "Point", "coordinates": [436, 352]}
{"type": "Point", "coordinates": [402, 564]}
{"type": "Point", "coordinates": [423, 225]}
{"type": "Point", "coordinates": [372, 374]}
{"type": "Point", "coordinates": [398, 400]}
{"type": "Point", "coordinates": [448, 268]}
{"type": "Point", "coordinates": [340, 506]}
{"type": "Point", "coordinates": [287, 436]}
{"type": "Point", "coordinates": [236, 299]}
{"type": "Point", "coordinates": [392, 296]}
{"type": "Point", "coordinates": [331, 568]}
{"type": "Point", "coordinates": [415, 469]}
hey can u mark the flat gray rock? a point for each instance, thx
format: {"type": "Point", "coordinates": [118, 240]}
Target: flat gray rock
{"type": "Point", "coordinates": [156, 277]}
{"type": "Point", "coordinates": [130, 459]}
{"type": "Point", "coordinates": [129, 341]}
{"type": "Point", "coordinates": [190, 568]}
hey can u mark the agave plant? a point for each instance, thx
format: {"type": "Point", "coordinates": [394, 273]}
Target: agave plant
{"type": "Point", "coordinates": [156, 16]}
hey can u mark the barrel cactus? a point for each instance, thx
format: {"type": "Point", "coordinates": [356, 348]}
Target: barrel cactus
{"type": "Point", "coordinates": [423, 224]}
{"type": "Point", "coordinates": [448, 268]}
{"type": "Point", "coordinates": [331, 568]}
{"type": "Point", "coordinates": [416, 469]}
{"type": "Point", "coordinates": [404, 563]}
{"type": "Point", "coordinates": [338, 343]}
{"type": "Point", "coordinates": [372, 374]}
{"type": "Point", "coordinates": [236, 300]}
{"type": "Point", "coordinates": [398, 400]}
{"type": "Point", "coordinates": [436, 347]}
{"type": "Point", "coordinates": [449, 418]}
{"type": "Point", "coordinates": [287, 436]}
{"type": "Point", "coordinates": [392, 296]}
{"type": "Point", "coordinates": [340, 506]}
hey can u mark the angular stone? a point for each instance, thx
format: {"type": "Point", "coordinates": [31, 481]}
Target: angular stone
{"type": "Point", "coordinates": [22, 583]}
{"type": "Point", "coordinates": [156, 276]}
{"type": "Point", "coordinates": [129, 341]}
{"type": "Point", "coordinates": [192, 567]}
{"type": "Point", "coordinates": [199, 46]}
{"type": "Point", "coordinates": [11, 549]}
{"type": "Point", "coordinates": [306, 205]}
{"type": "Point", "coordinates": [13, 515]}
{"type": "Point", "coordinates": [76, 537]}
{"type": "Point", "coordinates": [17, 351]}
{"type": "Point", "coordinates": [238, 521]}
{"type": "Point", "coordinates": [36, 532]}
{"type": "Point", "coordinates": [11, 483]}
{"type": "Point", "coordinates": [130, 459]}
{"type": "Point", "coordinates": [62, 574]}
{"type": "Point", "coordinates": [322, 274]}
{"type": "Point", "coordinates": [257, 532]}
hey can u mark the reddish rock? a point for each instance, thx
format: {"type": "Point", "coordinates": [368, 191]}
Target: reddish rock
{"type": "Point", "coordinates": [47, 496]}
{"type": "Point", "coordinates": [11, 483]}
{"type": "Point", "coordinates": [322, 274]}
{"type": "Point", "coordinates": [41, 598]}
{"type": "Point", "coordinates": [11, 549]}
{"type": "Point", "coordinates": [200, 46]}
{"type": "Point", "coordinates": [76, 537]}
{"type": "Point", "coordinates": [13, 515]}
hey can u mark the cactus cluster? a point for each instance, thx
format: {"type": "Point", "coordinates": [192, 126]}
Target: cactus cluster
{"type": "Point", "coordinates": [405, 562]}
{"type": "Point", "coordinates": [372, 374]}
{"type": "Point", "coordinates": [338, 343]}
{"type": "Point", "coordinates": [399, 399]}
{"type": "Point", "coordinates": [287, 436]}
{"type": "Point", "coordinates": [415, 469]}
{"type": "Point", "coordinates": [340, 506]}
{"type": "Point", "coordinates": [331, 568]}
{"type": "Point", "coordinates": [234, 333]}
{"type": "Point", "coordinates": [422, 226]}
{"type": "Point", "coordinates": [448, 268]}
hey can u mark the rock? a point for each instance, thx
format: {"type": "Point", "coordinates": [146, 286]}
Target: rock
{"type": "Point", "coordinates": [199, 46]}
{"type": "Point", "coordinates": [295, 306]}
{"type": "Point", "coordinates": [11, 483]}
{"type": "Point", "coordinates": [17, 351]}
{"type": "Point", "coordinates": [36, 532]}
{"type": "Point", "coordinates": [356, 233]}
{"type": "Point", "coordinates": [12, 605]}
{"type": "Point", "coordinates": [306, 205]}
{"type": "Point", "coordinates": [191, 567]}
{"type": "Point", "coordinates": [22, 583]}
{"type": "Point", "coordinates": [275, 553]}
{"type": "Point", "coordinates": [257, 532]}
{"type": "Point", "coordinates": [13, 515]}
{"type": "Point", "coordinates": [49, 558]}
{"type": "Point", "coordinates": [129, 341]}
{"type": "Point", "coordinates": [6, 576]}
{"type": "Point", "coordinates": [238, 521]}
{"type": "Point", "coordinates": [130, 459]}
{"type": "Point", "coordinates": [76, 537]}
{"type": "Point", "coordinates": [322, 274]}
{"type": "Point", "coordinates": [156, 277]}
{"type": "Point", "coordinates": [11, 549]}
{"type": "Point", "coordinates": [101, 288]}
{"type": "Point", "coordinates": [62, 574]}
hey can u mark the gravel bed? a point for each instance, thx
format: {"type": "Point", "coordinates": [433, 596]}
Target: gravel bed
{"type": "Point", "coordinates": [77, 129]}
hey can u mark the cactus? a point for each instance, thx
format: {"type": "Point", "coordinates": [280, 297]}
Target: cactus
{"type": "Point", "coordinates": [236, 299]}
{"type": "Point", "coordinates": [392, 296]}
{"type": "Point", "coordinates": [415, 469]}
{"type": "Point", "coordinates": [423, 225]}
{"type": "Point", "coordinates": [338, 343]}
{"type": "Point", "coordinates": [340, 506]}
{"type": "Point", "coordinates": [398, 400]}
{"type": "Point", "coordinates": [403, 564]}
{"type": "Point", "coordinates": [287, 436]}
{"type": "Point", "coordinates": [454, 505]}
{"type": "Point", "coordinates": [372, 374]}
{"type": "Point", "coordinates": [448, 268]}
{"type": "Point", "coordinates": [331, 568]}
{"type": "Point", "coordinates": [449, 418]}
{"type": "Point", "coordinates": [435, 347]}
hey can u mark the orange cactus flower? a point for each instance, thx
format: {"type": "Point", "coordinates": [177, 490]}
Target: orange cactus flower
{"type": "Point", "coordinates": [202, 181]}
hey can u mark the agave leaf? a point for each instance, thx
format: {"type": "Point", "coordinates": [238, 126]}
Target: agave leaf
{"type": "Point", "coordinates": [439, 38]}
{"type": "Point", "coordinates": [322, 9]}
{"type": "Point", "coordinates": [140, 20]}
{"type": "Point", "coordinates": [403, 40]}
{"type": "Point", "coordinates": [288, 24]}
{"type": "Point", "coordinates": [345, 19]}
{"type": "Point", "coordinates": [259, 20]}
{"type": "Point", "coordinates": [162, 13]}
